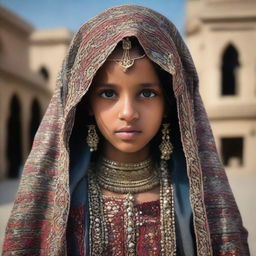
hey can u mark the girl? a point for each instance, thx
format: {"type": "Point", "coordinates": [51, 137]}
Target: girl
{"type": "Point", "coordinates": [124, 162]}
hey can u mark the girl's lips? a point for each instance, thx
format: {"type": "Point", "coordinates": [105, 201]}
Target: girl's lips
{"type": "Point", "coordinates": [127, 135]}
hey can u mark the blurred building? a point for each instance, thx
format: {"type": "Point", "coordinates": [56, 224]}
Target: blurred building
{"type": "Point", "coordinates": [221, 35]}
{"type": "Point", "coordinates": [29, 63]}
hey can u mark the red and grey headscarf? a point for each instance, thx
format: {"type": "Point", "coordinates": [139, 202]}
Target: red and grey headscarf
{"type": "Point", "coordinates": [54, 181]}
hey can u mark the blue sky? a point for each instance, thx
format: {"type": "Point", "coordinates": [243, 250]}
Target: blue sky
{"type": "Point", "coordinates": [73, 13]}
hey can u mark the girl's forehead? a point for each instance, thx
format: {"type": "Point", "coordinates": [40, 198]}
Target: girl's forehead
{"type": "Point", "coordinates": [142, 71]}
{"type": "Point", "coordinates": [118, 53]}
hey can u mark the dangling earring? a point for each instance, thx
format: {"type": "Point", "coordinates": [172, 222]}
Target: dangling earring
{"type": "Point", "coordinates": [92, 138]}
{"type": "Point", "coordinates": [165, 147]}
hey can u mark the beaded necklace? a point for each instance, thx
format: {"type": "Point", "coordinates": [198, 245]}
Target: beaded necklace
{"type": "Point", "coordinates": [124, 178]}
{"type": "Point", "coordinates": [98, 227]}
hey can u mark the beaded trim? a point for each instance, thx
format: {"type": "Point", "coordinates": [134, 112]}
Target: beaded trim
{"type": "Point", "coordinates": [168, 235]}
{"type": "Point", "coordinates": [98, 227]}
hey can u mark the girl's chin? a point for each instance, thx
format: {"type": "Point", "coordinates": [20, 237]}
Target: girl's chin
{"type": "Point", "coordinates": [131, 149]}
{"type": "Point", "coordinates": [126, 148]}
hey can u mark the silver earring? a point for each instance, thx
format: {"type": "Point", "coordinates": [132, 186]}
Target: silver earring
{"type": "Point", "coordinates": [92, 138]}
{"type": "Point", "coordinates": [166, 147]}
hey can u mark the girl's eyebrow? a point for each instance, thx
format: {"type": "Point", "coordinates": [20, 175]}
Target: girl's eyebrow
{"type": "Point", "coordinates": [150, 85]}
{"type": "Point", "coordinates": [142, 85]}
{"type": "Point", "coordinates": [105, 85]}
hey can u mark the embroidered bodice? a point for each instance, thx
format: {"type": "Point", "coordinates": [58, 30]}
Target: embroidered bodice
{"type": "Point", "coordinates": [148, 235]}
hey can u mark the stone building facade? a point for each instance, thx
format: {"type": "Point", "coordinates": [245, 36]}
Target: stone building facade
{"type": "Point", "coordinates": [222, 41]}
{"type": "Point", "coordinates": [29, 63]}
{"type": "Point", "coordinates": [221, 35]}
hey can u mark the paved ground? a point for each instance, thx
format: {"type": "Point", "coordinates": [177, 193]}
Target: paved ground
{"type": "Point", "coordinates": [244, 189]}
{"type": "Point", "coordinates": [243, 185]}
{"type": "Point", "coordinates": [8, 189]}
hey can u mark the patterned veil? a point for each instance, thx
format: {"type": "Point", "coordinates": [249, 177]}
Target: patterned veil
{"type": "Point", "coordinates": [54, 180]}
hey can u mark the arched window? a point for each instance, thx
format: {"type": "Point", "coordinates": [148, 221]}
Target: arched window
{"type": "Point", "coordinates": [232, 151]}
{"type": "Point", "coordinates": [35, 119]}
{"type": "Point", "coordinates": [14, 141]}
{"type": "Point", "coordinates": [230, 63]}
{"type": "Point", "coordinates": [44, 73]}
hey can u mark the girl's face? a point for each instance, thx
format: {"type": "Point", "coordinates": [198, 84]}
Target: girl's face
{"type": "Point", "coordinates": [128, 107]}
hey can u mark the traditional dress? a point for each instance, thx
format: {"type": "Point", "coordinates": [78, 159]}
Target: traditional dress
{"type": "Point", "coordinates": [51, 210]}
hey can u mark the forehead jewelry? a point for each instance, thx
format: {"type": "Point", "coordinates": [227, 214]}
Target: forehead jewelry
{"type": "Point", "coordinates": [126, 61]}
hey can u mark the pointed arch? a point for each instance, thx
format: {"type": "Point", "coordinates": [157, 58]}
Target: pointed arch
{"type": "Point", "coordinates": [44, 73]}
{"type": "Point", "coordinates": [14, 139]}
{"type": "Point", "coordinates": [230, 64]}
{"type": "Point", "coordinates": [34, 120]}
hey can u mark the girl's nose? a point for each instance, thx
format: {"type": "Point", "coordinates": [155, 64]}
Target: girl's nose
{"type": "Point", "coordinates": [128, 111]}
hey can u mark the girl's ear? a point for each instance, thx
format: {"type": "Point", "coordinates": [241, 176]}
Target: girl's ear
{"type": "Point", "coordinates": [165, 116]}
{"type": "Point", "coordinates": [90, 112]}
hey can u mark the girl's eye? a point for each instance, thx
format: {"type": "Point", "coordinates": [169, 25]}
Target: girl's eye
{"type": "Point", "coordinates": [148, 93]}
{"type": "Point", "coordinates": [108, 94]}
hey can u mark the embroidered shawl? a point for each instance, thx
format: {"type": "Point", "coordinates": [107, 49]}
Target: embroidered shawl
{"type": "Point", "coordinates": [39, 218]}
